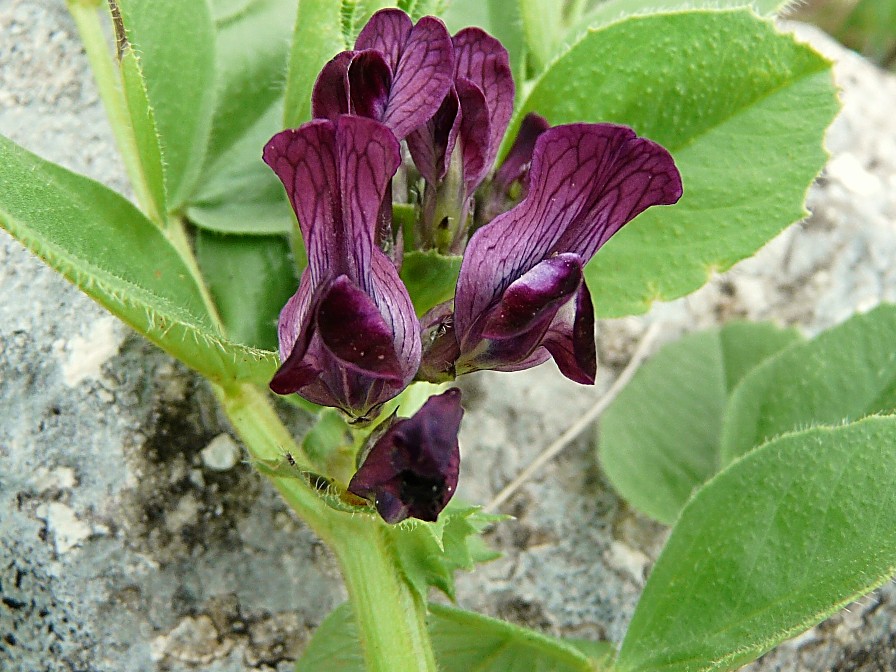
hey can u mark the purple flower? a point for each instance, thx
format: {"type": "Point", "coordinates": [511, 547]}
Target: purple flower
{"type": "Point", "coordinates": [398, 73]}
{"type": "Point", "coordinates": [348, 337]}
{"type": "Point", "coordinates": [456, 148]}
{"type": "Point", "coordinates": [411, 471]}
{"type": "Point", "coordinates": [521, 296]}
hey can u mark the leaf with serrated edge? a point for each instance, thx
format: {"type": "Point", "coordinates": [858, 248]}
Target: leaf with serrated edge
{"type": "Point", "coordinates": [107, 248]}
{"type": "Point", "coordinates": [741, 107]}
{"type": "Point", "coordinates": [844, 374]}
{"type": "Point", "coordinates": [660, 437]}
{"type": "Point", "coordinates": [778, 541]}
{"type": "Point", "coordinates": [461, 640]}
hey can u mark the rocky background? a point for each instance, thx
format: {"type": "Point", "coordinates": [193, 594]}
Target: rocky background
{"type": "Point", "coordinates": [133, 536]}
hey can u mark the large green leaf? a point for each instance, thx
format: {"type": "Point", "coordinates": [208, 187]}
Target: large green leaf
{"type": "Point", "coordinates": [844, 374]}
{"type": "Point", "coordinates": [776, 542]}
{"type": "Point", "coordinates": [660, 438]}
{"type": "Point", "coordinates": [743, 110]}
{"type": "Point", "coordinates": [252, 51]}
{"type": "Point", "coordinates": [175, 42]}
{"type": "Point", "coordinates": [250, 278]}
{"type": "Point", "coordinates": [105, 246]}
{"type": "Point", "coordinates": [463, 642]}
{"type": "Point", "coordinates": [240, 193]}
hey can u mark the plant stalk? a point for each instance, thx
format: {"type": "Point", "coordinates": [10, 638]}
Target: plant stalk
{"type": "Point", "coordinates": [391, 616]}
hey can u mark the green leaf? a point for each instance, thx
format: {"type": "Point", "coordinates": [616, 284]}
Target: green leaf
{"type": "Point", "coordinates": [542, 27]}
{"type": "Point", "coordinates": [660, 438]}
{"type": "Point", "coordinates": [329, 446]}
{"type": "Point", "coordinates": [252, 49]}
{"type": "Point", "coordinates": [743, 113]}
{"type": "Point", "coordinates": [146, 136]}
{"type": "Point", "coordinates": [241, 194]}
{"type": "Point", "coordinates": [316, 39]}
{"type": "Point", "coordinates": [237, 192]}
{"type": "Point", "coordinates": [463, 641]}
{"type": "Point", "coordinates": [429, 553]}
{"type": "Point", "coordinates": [175, 41]}
{"type": "Point", "coordinates": [106, 247]}
{"type": "Point", "coordinates": [507, 25]}
{"type": "Point", "coordinates": [775, 543]}
{"type": "Point", "coordinates": [250, 278]}
{"type": "Point", "coordinates": [844, 374]}
{"type": "Point", "coordinates": [462, 13]}
{"type": "Point", "coordinates": [430, 278]}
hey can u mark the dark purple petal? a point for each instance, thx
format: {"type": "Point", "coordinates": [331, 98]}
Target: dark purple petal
{"type": "Point", "coordinates": [586, 182]}
{"type": "Point", "coordinates": [370, 81]}
{"type": "Point", "coordinates": [295, 332]}
{"type": "Point", "coordinates": [329, 98]}
{"type": "Point", "coordinates": [519, 158]}
{"type": "Point", "coordinates": [432, 144]}
{"type": "Point", "coordinates": [353, 330]}
{"type": "Point", "coordinates": [422, 78]}
{"type": "Point", "coordinates": [412, 469]}
{"type": "Point", "coordinates": [483, 60]}
{"type": "Point", "coordinates": [570, 339]}
{"type": "Point", "coordinates": [387, 31]}
{"type": "Point", "coordinates": [336, 175]}
{"type": "Point", "coordinates": [533, 296]}
{"type": "Point", "coordinates": [391, 296]}
{"type": "Point", "coordinates": [475, 128]}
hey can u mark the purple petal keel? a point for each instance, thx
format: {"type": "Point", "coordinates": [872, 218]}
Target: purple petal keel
{"type": "Point", "coordinates": [533, 296]}
{"type": "Point", "coordinates": [412, 469]}
{"type": "Point", "coordinates": [432, 144]}
{"type": "Point", "coordinates": [483, 60]}
{"type": "Point", "coordinates": [353, 330]}
{"type": "Point", "coordinates": [570, 339]}
{"type": "Point", "coordinates": [474, 133]}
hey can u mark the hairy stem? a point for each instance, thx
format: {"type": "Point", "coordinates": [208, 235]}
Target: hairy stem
{"type": "Point", "coordinates": [87, 18]}
{"type": "Point", "coordinates": [391, 616]}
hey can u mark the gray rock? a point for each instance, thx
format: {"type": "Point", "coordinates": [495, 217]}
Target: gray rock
{"type": "Point", "coordinates": [123, 547]}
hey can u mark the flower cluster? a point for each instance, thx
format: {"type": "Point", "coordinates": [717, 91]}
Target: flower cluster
{"type": "Point", "coordinates": [349, 337]}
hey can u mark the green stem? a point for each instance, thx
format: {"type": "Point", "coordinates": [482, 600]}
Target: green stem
{"type": "Point", "coordinates": [391, 616]}
{"type": "Point", "coordinates": [87, 18]}
{"type": "Point", "coordinates": [176, 233]}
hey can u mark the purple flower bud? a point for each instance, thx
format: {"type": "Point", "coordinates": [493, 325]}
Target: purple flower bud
{"type": "Point", "coordinates": [349, 337]}
{"type": "Point", "coordinates": [521, 296]}
{"type": "Point", "coordinates": [411, 471]}
{"type": "Point", "coordinates": [398, 73]}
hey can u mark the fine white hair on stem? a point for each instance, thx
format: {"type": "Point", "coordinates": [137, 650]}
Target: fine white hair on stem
{"type": "Point", "coordinates": [580, 425]}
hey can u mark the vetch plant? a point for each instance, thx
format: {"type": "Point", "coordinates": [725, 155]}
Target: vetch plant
{"type": "Point", "coordinates": [459, 204]}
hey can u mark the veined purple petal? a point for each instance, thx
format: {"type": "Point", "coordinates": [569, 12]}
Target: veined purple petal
{"type": "Point", "coordinates": [586, 182]}
{"type": "Point", "coordinates": [391, 296]}
{"type": "Point", "coordinates": [336, 174]}
{"type": "Point", "coordinates": [519, 158]}
{"type": "Point", "coordinates": [570, 339]}
{"type": "Point", "coordinates": [533, 296]}
{"type": "Point", "coordinates": [387, 31]}
{"type": "Point", "coordinates": [352, 328]}
{"type": "Point", "coordinates": [370, 81]}
{"type": "Point", "coordinates": [440, 347]}
{"type": "Point", "coordinates": [295, 331]}
{"type": "Point", "coordinates": [329, 97]}
{"type": "Point", "coordinates": [421, 78]}
{"type": "Point", "coordinates": [483, 60]}
{"type": "Point", "coordinates": [412, 470]}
